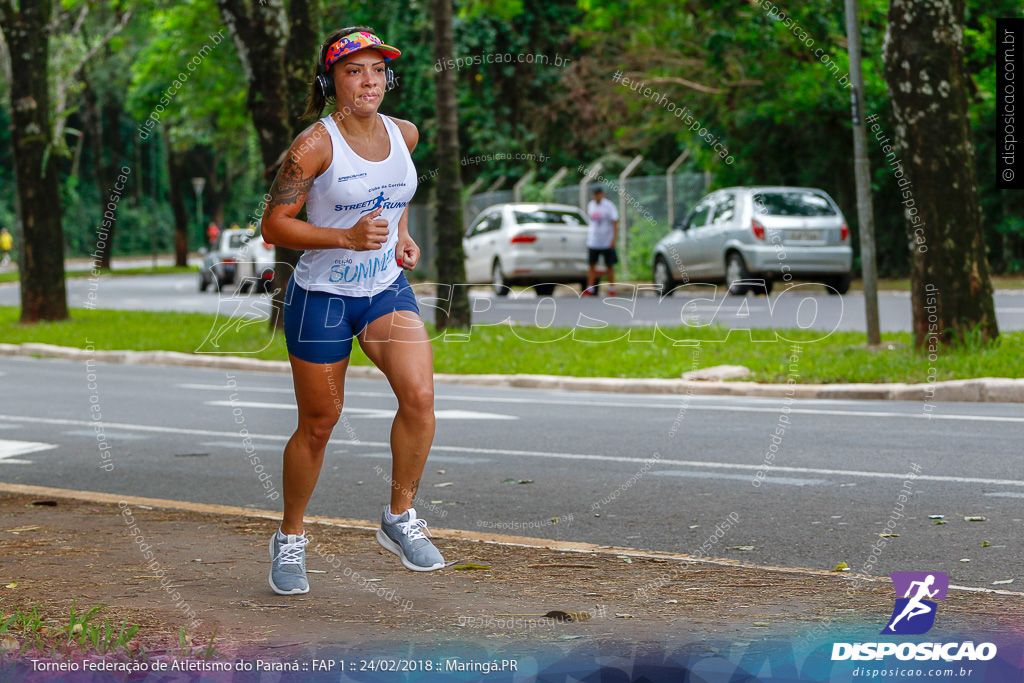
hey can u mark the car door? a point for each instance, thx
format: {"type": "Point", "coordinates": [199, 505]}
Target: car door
{"type": "Point", "coordinates": [475, 244]}
{"type": "Point", "coordinates": [695, 256]}
{"type": "Point", "coordinates": [722, 226]}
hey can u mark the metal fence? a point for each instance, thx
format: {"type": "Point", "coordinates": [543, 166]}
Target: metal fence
{"type": "Point", "coordinates": [644, 214]}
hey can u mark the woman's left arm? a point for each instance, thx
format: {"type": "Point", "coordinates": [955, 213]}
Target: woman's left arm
{"type": "Point", "coordinates": [407, 252]}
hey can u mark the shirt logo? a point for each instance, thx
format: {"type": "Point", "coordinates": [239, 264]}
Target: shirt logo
{"type": "Point", "coordinates": [342, 179]}
{"type": "Point", "coordinates": [371, 204]}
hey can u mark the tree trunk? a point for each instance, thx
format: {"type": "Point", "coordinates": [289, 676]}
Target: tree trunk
{"type": "Point", "coordinates": [450, 256]}
{"type": "Point", "coordinates": [264, 26]}
{"type": "Point", "coordinates": [102, 118]}
{"type": "Point", "coordinates": [951, 293]}
{"type": "Point", "coordinates": [43, 294]}
{"type": "Point", "coordinates": [179, 186]}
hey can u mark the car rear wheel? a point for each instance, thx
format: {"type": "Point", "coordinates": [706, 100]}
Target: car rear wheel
{"type": "Point", "coordinates": [765, 289]}
{"type": "Point", "coordinates": [663, 276]}
{"type": "Point", "coordinates": [838, 285]}
{"type": "Point", "coordinates": [498, 282]}
{"type": "Point", "coordinates": [736, 270]}
{"type": "Point", "coordinates": [544, 288]}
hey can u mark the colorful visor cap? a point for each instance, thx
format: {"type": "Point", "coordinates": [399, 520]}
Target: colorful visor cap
{"type": "Point", "coordinates": [358, 41]}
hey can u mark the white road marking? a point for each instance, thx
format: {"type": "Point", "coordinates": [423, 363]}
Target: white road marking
{"type": "Point", "coordinates": [439, 458]}
{"type": "Point", "coordinates": [1006, 494]}
{"type": "Point", "coordinates": [126, 436]}
{"type": "Point", "coordinates": [368, 412]}
{"type": "Point", "coordinates": [791, 481]}
{"type": "Point", "coordinates": [9, 449]}
{"type": "Point", "coordinates": [692, 405]}
{"type": "Point", "coordinates": [541, 454]}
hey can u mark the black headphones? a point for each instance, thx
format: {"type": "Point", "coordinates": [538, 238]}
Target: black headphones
{"type": "Point", "coordinates": [325, 84]}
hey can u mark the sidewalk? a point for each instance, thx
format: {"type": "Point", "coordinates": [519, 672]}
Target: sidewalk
{"type": "Point", "coordinates": [79, 547]}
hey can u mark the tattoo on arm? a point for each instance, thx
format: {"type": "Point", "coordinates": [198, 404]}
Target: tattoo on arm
{"type": "Point", "coordinates": [290, 186]}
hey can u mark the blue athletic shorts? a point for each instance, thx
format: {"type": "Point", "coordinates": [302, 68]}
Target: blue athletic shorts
{"type": "Point", "coordinates": [319, 326]}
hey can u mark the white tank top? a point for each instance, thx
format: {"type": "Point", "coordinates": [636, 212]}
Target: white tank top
{"type": "Point", "coordinates": [348, 189]}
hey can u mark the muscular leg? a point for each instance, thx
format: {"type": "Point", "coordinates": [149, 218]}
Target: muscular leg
{"type": "Point", "coordinates": [319, 393]}
{"type": "Point", "coordinates": [398, 344]}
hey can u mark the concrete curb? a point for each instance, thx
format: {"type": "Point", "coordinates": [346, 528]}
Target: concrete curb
{"type": "Point", "coordinates": [981, 390]}
{"type": "Point", "coordinates": [450, 534]}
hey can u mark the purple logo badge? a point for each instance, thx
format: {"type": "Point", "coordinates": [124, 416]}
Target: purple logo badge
{"type": "Point", "coordinates": [915, 608]}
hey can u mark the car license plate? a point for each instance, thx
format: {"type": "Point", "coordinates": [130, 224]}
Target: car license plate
{"type": "Point", "coordinates": [804, 235]}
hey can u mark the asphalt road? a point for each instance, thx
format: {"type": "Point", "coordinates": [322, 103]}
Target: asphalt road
{"type": "Point", "coordinates": [826, 496]}
{"type": "Point", "coordinates": [806, 306]}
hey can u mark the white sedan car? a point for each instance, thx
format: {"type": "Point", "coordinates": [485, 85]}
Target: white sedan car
{"type": "Point", "coordinates": [254, 265]}
{"type": "Point", "coordinates": [538, 245]}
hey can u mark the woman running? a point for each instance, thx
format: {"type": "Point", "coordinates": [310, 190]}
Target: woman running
{"type": "Point", "coordinates": [353, 170]}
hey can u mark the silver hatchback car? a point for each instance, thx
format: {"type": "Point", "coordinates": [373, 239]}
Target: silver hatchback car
{"type": "Point", "coordinates": [758, 233]}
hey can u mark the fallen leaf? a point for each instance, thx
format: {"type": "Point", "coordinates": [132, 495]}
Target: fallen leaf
{"type": "Point", "coordinates": [974, 519]}
{"type": "Point", "coordinates": [440, 471]}
{"type": "Point", "coordinates": [76, 629]}
{"type": "Point", "coordinates": [12, 585]}
{"type": "Point", "coordinates": [441, 486]}
{"type": "Point", "coordinates": [568, 637]}
{"type": "Point", "coordinates": [741, 547]}
{"type": "Point", "coordinates": [762, 623]}
{"type": "Point", "coordinates": [1000, 583]}
{"type": "Point", "coordinates": [625, 558]}
{"type": "Point", "coordinates": [694, 526]}
{"type": "Point", "coordinates": [842, 567]}
{"type": "Point", "coordinates": [623, 616]}
{"type": "Point", "coordinates": [672, 602]}
{"type": "Point", "coordinates": [936, 516]}
{"type": "Point", "coordinates": [315, 571]}
{"type": "Point", "coordinates": [18, 530]}
{"type": "Point", "coordinates": [985, 544]}
{"type": "Point", "coordinates": [941, 521]}
{"type": "Point", "coordinates": [436, 502]}
{"type": "Point", "coordinates": [889, 535]}
{"type": "Point", "coordinates": [965, 559]}
{"type": "Point", "coordinates": [9, 643]}
{"type": "Point", "coordinates": [471, 566]}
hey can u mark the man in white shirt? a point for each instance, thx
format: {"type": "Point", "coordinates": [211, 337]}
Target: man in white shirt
{"type": "Point", "coordinates": [604, 228]}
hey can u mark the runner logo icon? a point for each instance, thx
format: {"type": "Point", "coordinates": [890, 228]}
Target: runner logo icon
{"type": "Point", "coordinates": [914, 612]}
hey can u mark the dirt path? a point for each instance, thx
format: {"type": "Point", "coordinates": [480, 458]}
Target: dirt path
{"type": "Point", "coordinates": [83, 551]}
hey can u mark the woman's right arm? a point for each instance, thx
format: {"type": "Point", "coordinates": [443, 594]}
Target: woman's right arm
{"type": "Point", "coordinates": [305, 158]}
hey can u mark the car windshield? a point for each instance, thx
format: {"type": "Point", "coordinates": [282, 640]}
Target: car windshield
{"type": "Point", "coordinates": [794, 203]}
{"type": "Point", "coordinates": [237, 240]}
{"type": "Point", "coordinates": [549, 216]}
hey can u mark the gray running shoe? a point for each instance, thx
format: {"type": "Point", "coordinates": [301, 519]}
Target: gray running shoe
{"type": "Point", "coordinates": [405, 538]}
{"type": "Point", "coordinates": [288, 564]}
